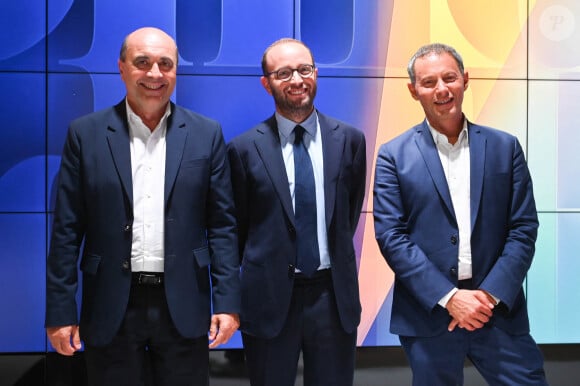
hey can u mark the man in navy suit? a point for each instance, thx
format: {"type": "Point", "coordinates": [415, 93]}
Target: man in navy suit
{"type": "Point", "coordinates": [456, 220]}
{"type": "Point", "coordinates": [285, 308]}
{"type": "Point", "coordinates": [145, 185]}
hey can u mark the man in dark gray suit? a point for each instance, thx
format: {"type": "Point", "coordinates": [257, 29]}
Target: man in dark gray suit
{"type": "Point", "coordinates": [146, 186]}
{"type": "Point", "coordinates": [293, 298]}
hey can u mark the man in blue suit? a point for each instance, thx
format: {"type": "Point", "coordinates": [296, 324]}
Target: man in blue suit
{"type": "Point", "coordinates": [456, 220]}
{"type": "Point", "coordinates": [295, 300]}
{"type": "Point", "coordinates": [145, 185]}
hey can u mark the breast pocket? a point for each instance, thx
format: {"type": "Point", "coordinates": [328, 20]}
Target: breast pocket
{"type": "Point", "coordinates": [194, 163]}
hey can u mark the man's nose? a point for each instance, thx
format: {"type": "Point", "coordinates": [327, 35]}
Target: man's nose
{"type": "Point", "coordinates": [154, 70]}
{"type": "Point", "coordinates": [295, 76]}
{"type": "Point", "coordinates": [441, 85]}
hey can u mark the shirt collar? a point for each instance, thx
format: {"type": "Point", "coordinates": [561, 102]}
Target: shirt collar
{"type": "Point", "coordinates": [136, 123]}
{"type": "Point", "coordinates": [440, 138]}
{"type": "Point", "coordinates": [286, 126]}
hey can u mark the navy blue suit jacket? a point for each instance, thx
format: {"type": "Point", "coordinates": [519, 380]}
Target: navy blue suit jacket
{"type": "Point", "coordinates": [265, 217]}
{"type": "Point", "coordinates": [95, 205]}
{"type": "Point", "coordinates": [417, 232]}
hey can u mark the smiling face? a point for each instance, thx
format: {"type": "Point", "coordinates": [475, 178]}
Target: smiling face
{"type": "Point", "coordinates": [294, 97]}
{"type": "Point", "coordinates": [439, 87]}
{"type": "Point", "coordinates": [149, 69]}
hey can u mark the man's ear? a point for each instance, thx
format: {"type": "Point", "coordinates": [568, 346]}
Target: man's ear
{"type": "Point", "coordinates": [120, 64]}
{"type": "Point", "coordinates": [465, 81]}
{"type": "Point", "coordinates": [412, 90]}
{"type": "Point", "coordinates": [266, 84]}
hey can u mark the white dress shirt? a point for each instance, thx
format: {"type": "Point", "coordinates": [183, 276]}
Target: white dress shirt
{"type": "Point", "coordinates": [148, 172]}
{"type": "Point", "coordinates": [456, 166]}
{"type": "Point", "coordinates": [313, 142]}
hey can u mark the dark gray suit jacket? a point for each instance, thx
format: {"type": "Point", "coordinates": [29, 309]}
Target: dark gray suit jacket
{"type": "Point", "coordinates": [94, 205]}
{"type": "Point", "coordinates": [266, 221]}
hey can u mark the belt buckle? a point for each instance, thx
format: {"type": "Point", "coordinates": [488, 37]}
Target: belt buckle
{"type": "Point", "coordinates": [149, 279]}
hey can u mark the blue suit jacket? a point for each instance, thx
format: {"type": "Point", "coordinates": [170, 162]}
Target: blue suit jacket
{"type": "Point", "coordinates": [95, 205]}
{"type": "Point", "coordinates": [417, 232]}
{"type": "Point", "coordinates": [266, 221]}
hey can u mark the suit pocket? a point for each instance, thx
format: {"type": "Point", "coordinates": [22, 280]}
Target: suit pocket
{"type": "Point", "coordinates": [202, 257]}
{"type": "Point", "coordinates": [194, 163]}
{"type": "Point", "coordinates": [90, 264]}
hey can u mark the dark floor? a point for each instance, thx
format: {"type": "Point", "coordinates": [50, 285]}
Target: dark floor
{"type": "Point", "coordinates": [382, 366]}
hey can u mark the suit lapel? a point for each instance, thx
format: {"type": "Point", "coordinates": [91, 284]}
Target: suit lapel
{"type": "Point", "coordinates": [477, 147]}
{"type": "Point", "coordinates": [119, 145]}
{"type": "Point", "coordinates": [428, 150]}
{"type": "Point", "coordinates": [269, 150]}
{"type": "Point", "coordinates": [332, 150]}
{"type": "Point", "coordinates": [174, 147]}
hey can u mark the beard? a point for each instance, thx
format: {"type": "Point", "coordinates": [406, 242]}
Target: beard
{"type": "Point", "coordinates": [294, 108]}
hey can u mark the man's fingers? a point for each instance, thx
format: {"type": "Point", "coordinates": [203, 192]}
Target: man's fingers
{"type": "Point", "coordinates": [65, 340]}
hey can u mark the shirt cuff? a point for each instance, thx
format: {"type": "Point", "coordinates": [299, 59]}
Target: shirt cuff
{"type": "Point", "coordinates": [445, 299]}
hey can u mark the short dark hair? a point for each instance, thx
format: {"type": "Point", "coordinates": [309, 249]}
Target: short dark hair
{"type": "Point", "coordinates": [278, 42]}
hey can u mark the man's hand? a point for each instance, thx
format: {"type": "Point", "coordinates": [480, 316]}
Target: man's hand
{"type": "Point", "coordinates": [222, 328]}
{"type": "Point", "coordinates": [65, 339]}
{"type": "Point", "coordinates": [469, 309]}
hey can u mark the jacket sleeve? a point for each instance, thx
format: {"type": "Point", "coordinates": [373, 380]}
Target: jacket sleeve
{"type": "Point", "coordinates": [505, 278]}
{"type": "Point", "coordinates": [67, 235]}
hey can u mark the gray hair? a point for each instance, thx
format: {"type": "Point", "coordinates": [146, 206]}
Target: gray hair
{"type": "Point", "coordinates": [433, 48]}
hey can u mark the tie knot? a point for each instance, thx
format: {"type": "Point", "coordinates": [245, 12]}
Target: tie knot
{"type": "Point", "coordinates": [298, 134]}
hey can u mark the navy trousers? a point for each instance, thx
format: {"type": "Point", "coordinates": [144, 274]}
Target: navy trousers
{"type": "Point", "coordinates": [313, 328]}
{"type": "Point", "coordinates": [501, 358]}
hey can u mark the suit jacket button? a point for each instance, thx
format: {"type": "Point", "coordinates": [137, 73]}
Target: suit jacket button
{"type": "Point", "coordinates": [453, 272]}
{"type": "Point", "coordinates": [454, 239]}
{"type": "Point", "coordinates": [127, 228]}
{"type": "Point", "coordinates": [126, 265]}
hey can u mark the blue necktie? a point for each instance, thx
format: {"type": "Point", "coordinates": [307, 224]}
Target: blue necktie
{"type": "Point", "coordinates": [308, 257]}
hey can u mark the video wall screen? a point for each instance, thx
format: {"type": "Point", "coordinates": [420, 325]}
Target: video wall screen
{"type": "Point", "coordinates": [58, 61]}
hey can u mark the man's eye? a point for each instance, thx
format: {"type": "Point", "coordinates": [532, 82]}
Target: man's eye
{"type": "Point", "coordinates": [284, 73]}
{"type": "Point", "coordinates": [141, 64]}
{"type": "Point", "coordinates": [305, 70]}
{"type": "Point", "coordinates": [166, 65]}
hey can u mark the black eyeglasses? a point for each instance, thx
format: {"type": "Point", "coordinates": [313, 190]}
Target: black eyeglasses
{"type": "Point", "coordinates": [286, 73]}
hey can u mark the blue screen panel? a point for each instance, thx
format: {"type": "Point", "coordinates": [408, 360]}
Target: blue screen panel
{"type": "Point", "coordinates": [88, 38]}
{"type": "Point", "coordinates": [22, 262]}
{"type": "Point", "coordinates": [237, 102]}
{"type": "Point", "coordinates": [22, 141]}
{"type": "Point", "coordinates": [23, 29]}
{"type": "Point", "coordinates": [348, 40]}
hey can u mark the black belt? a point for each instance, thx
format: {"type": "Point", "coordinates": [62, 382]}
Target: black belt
{"type": "Point", "coordinates": [321, 275]}
{"type": "Point", "coordinates": [147, 278]}
{"type": "Point", "coordinates": [465, 284]}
